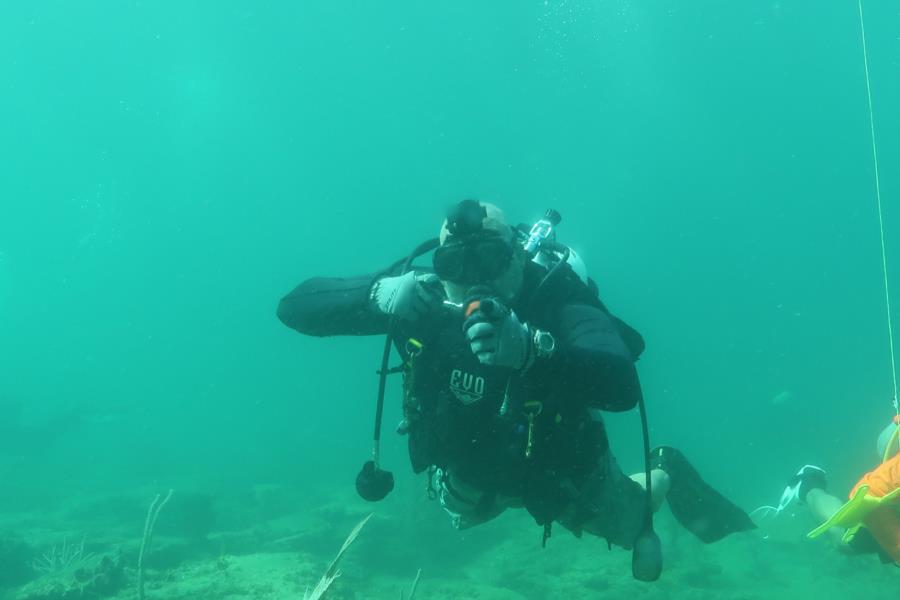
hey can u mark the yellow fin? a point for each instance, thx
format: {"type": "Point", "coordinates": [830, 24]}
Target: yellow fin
{"type": "Point", "coordinates": [852, 514]}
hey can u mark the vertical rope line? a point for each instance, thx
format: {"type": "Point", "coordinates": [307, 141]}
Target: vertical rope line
{"type": "Point", "coordinates": [887, 292]}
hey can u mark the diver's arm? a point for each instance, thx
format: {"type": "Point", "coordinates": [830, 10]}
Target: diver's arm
{"type": "Point", "coordinates": [324, 306]}
{"type": "Point", "coordinates": [591, 361]}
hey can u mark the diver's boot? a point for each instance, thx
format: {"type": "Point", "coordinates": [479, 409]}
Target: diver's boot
{"type": "Point", "coordinates": [699, 508]}
{"type": "Point", "coordinates": [807, 478]}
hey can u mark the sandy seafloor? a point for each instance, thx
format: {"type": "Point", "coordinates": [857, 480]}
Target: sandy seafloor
{"type": "Point", "coordinates": [264, 547]}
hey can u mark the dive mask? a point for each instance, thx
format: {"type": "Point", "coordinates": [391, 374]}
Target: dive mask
{"type": "Point", "coordinates": [476, 258]}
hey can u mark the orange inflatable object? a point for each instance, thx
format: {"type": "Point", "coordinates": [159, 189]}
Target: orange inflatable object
{"type": "Point", "coordinates": [882, 480]}
{"type": "Point", "coordinates": [884, 525]}
{"type": "Point", "coordinates": [883, 521]}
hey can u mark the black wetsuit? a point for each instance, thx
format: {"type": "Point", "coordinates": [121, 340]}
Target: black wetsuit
{"type": "Point", "coordinates": [472, 418]}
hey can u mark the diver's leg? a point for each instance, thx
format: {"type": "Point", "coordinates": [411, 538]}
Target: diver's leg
{"type": "Point", "coordinates": [661, 483]}
{"type": "Point", "coordinates": [608, 504]}
{"type": "Point", "coordinates": [808, 487]}
{"type": "Point", "coordinates": [823, 505]}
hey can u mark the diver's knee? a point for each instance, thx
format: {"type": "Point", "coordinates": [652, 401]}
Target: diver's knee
{"type": "Point", "coordinates": [661, 481]}
{"type": "Point", "coordinates": [661, 484]}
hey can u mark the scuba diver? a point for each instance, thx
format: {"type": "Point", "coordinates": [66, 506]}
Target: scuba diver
{"type": "Point", "coordinates": [508, 355]}
{"type": "Point", "coordinates": [869, 523]}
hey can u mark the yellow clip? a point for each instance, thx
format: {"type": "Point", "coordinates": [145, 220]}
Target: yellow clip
{"type": "Point", "coordinates": [532, 409]}
{"type": "Point", "coordinates": [414, 347]}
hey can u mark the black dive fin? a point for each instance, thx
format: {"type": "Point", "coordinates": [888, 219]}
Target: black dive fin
{"type": "Point", "coordinates": [699, 508]}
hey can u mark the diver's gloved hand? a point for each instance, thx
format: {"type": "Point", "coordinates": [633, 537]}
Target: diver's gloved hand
{"type": "Point", "coordinates": [407, 297]}
{"type": "Point", "coordinates": [497, 336]}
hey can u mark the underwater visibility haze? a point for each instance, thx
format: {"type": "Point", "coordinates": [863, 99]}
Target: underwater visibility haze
{"type": "Point", "coordinates": [170, 170]}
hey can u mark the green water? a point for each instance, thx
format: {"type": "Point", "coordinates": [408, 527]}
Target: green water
{"type": "Point", "coordinates": [169, 170]}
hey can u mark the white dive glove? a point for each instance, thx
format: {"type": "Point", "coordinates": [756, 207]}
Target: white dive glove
{"type": "Point", "coordinates": [497, 336]}
{"type": "Point", "coordinates": [407, 297]}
